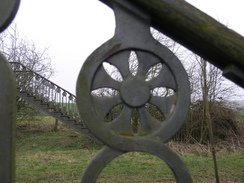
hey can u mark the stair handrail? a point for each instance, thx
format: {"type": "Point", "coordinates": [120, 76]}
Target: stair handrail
{"type": "Point", "coordinates": [59, 99]}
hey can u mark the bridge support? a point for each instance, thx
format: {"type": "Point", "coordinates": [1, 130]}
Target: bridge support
{"type": "Point", "coordinates": [7, 122]}
{"type": "Point", "coordinates": [155, 66]}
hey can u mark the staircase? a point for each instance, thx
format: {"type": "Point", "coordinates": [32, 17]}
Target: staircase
{"type": "Point", "coordinates": [48, 96]}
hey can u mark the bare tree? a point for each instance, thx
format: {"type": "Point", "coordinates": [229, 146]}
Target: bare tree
{"type": "Point", "coordinates": [218, 87]}
{"type": "Point", "coordinates": [24, 51]}
{"type": "Point", "coordinates": [208, 86]}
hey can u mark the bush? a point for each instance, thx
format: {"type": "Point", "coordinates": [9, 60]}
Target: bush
{"type": "Point", "coordinates": [224, 121]}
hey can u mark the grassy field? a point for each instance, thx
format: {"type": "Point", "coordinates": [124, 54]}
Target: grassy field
{"type": "Point", "coordinates": [45, 156]}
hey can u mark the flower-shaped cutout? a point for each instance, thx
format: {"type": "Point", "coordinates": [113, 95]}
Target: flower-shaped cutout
{"type": "Point", "coordinates": [134, 91]}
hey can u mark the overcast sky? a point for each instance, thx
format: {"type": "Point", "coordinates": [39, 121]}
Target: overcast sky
{"type": "Point", "coordinates": [74, 29]}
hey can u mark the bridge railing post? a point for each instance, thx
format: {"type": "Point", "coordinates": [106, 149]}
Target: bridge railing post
{"type": "Point", "coordinates": [8, 9]}
{"type": "Point", "coordinates": [7, 122]}
{"type": "Point", "coordinates": [134, 129]}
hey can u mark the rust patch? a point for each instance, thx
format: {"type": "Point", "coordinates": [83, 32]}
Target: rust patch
{"type": "Point", "coordinates": [111, 51]}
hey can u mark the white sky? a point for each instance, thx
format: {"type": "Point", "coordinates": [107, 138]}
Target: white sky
{"type": "Point", "coordinates": [74, 29]}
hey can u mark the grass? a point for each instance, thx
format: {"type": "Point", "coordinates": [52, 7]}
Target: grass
{"type": "Point", "coordinates": [240, 117]}
{"type": "Point", "coordinates": [44, 156]}
{"type": "Point", "coordinates": [241, 121]}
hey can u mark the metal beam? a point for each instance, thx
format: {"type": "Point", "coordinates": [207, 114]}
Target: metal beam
{"type": "Point", "coordinates": [198, 32]}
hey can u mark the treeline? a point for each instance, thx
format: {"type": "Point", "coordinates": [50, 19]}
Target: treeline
{"type": "Point", "coordinates": [225, 125]}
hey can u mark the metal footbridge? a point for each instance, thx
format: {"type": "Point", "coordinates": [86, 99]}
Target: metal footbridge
{"type": "Point", "coordinates": [49, 97]}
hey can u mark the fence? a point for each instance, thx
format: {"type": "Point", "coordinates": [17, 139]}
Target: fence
{"type": "Point", "coordinates": [177, 19]}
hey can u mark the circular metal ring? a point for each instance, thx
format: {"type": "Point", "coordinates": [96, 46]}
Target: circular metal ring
{"type": "Point", "coordinates": [177, 166]}
{"type": "Point", "coordinates": [133, 91]}
{"type": "Point", "coordinates": [8, 9]}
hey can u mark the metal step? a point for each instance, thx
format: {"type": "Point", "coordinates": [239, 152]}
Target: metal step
{"type": "Point", "coordinates": [56, 114]}
{"type": "Point", "coordinates": [54, 96]}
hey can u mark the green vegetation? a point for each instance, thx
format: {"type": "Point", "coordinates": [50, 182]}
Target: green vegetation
{"type": "Point", "coordinates": [241, 118]}
{"type": "Point", "coordinates": [43, 156]}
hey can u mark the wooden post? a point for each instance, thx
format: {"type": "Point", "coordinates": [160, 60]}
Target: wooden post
{"type": "Point", "coordinates": [56, 125]}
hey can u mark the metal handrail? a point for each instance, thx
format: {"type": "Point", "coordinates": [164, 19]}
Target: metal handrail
{"type": "Point", "coordinates": [198, 32]}
{"type": "Point", "coordinates": [35, 85]}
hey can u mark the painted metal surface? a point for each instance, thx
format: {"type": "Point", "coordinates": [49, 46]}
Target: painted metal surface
{"type": "Point", "coordinates": [133, 89]}
{"type": "Point", "coordinates": [106, 155]}
{"type": "Point", "coordinates": [8, 9]}
{"type": "Point", "coordinates": [198, 32]}
{"type": "Point", "coordinates": [7, 122]}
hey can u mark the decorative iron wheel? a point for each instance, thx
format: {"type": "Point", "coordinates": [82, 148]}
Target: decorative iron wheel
{"type": "Point", "coordinates": [133, 81]}
{"type": "Point", "coordinates": [114, 90]}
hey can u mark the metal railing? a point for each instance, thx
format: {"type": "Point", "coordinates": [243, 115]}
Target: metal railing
{"type": "Point", "coordinates": [35, 85]}
{"type": "Point", "coordinates": [177, 19]}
